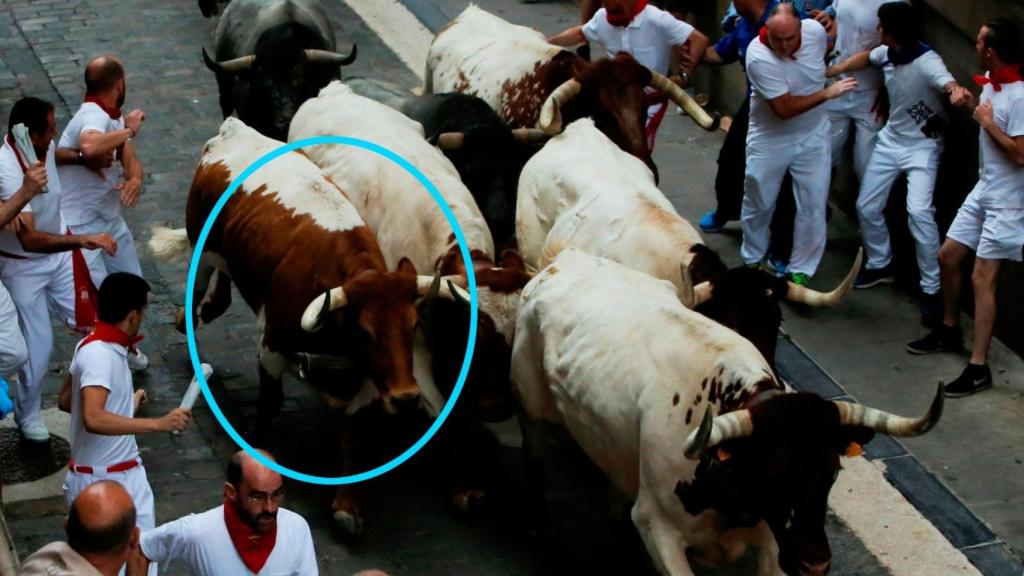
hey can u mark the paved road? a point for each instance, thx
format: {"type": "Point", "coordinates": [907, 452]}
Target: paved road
{"type": "Point", "coordinates": [409, 528]}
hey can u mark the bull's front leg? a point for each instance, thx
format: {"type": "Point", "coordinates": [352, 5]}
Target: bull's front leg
{"type": "Point", "coordinates": [346, 510]}
{"type": "Point", "coordinates": [664, 543]}
{"type": "Point", "coordinates": [767, 551]}
{"type": "Point", "coordinates": [272, 366]}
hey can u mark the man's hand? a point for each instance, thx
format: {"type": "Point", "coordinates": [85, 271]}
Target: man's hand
{"type": "Point", "coordinates": [35, 179]}
{"type": "Point", "coordinates": [983, 114]}
{"type": "Point", "coordinates": [130, 190]}
{"type": "Point", "coordinates": [841, 87]}
{"type": "Point", "coordinates": [960, 96]}
{"type": "Point", "coordinates": [102, 240]}
{"type": "Point", "coordinates": [134, 120]}
{"type": "Point", "coordinates": [176, 420]}
{"type": "Point", "coordinates": [825, 20]}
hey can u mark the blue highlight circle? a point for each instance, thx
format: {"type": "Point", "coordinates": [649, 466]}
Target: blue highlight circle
{"type": "Point", "coordinates": [189, 305]}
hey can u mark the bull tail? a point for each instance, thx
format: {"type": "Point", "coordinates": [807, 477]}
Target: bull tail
{"type": "Point", "coordinates": [169, 243]}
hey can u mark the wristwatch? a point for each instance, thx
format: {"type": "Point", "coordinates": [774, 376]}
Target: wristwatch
{"type": "Point", "coordinates": [81, 157]}
{"type": "Point", "coordinates": [685, 76]}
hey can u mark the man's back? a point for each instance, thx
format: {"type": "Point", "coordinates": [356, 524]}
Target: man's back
{"type": "Point", "coordinates": [57, 559]}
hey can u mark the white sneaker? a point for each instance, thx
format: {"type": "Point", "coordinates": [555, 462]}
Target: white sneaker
{"type": "Point", "coordinates": [138, 361]}
{"type": "Point", "coordinates": [35, 432]}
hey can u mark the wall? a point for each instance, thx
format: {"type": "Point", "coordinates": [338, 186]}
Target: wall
{"type": "Point", "coordinates": [950, 27]}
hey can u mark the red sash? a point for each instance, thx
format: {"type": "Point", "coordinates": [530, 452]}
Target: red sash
{"type": "Point", "coordinates": [1006, 75]}
{"type": "Point", "coordinates": [254, 547]}
{"type": "Point", "coordinates": [86, 295]}
{"type": "Point", "coordinates": [622, 19]}
{"type": "Point", "coordinates": [114, 113]}
{"type": "Point", "coordinates": [104, 332]}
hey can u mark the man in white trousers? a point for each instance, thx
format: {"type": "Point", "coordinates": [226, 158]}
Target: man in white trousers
{"type": "Point", "coordinates": [990, 222]}
{"type": "Point", "coordinates": [37, 267]}
{"type": "Point", "coordinates": [910, 143]}
{"type": "Point", "coordinates": [856, 114]}
{"type": "Point", "coordinates": [789, 131]}
{"type": "Point", "coordinates": [102, 400]}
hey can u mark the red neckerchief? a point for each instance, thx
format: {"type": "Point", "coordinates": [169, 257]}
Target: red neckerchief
{"type": "Point", "coordinates": [1006, 75]}
{"type": "Point", "coordinates": [104, 332]}
{"type": "Point", "coordinates": [254, 547]}
{"type": "Point", "coordinates": [17, 153]}
{"type": "Point", "coordinates": [622, 19]}
{"type": "Point", "coordinates": [114, 113]}
{"type": "Point", "coordinates": [763, 35]}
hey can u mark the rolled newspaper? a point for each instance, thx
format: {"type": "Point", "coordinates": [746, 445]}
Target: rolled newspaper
{"type": "Point", "coordinates": [192, 394]}
{"type": "Point", "coordinates": [24, 144]}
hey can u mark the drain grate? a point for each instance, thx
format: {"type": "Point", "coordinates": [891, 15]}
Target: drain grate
{"type": "Point", "coordinates": [25, 461]}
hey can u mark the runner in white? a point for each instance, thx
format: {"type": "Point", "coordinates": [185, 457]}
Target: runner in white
{"type": "Point", "coordinates": [37, 258]}
{"type": "Point", "coordinates": [93, 199]}
{"type": "Point", "coordinates": [647, 33]}
{"type": "Point", "coordinates": [101, 399]}
{"type": "Point", "coordinates": [911, 142]}
{"type": "Point", "coordinates": [789, 130]}
{"type": "Point", "coordinates": [856, 113]}
{"type": "Point", "coordinates": [249, 534]}
{"type": "Point", "coordinates": [991, 220]}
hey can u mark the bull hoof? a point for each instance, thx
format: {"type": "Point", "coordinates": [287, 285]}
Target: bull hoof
{"type": "Point", "coordinates": [469, 503]}
{"type": "Point", "coordinates": [179, 320]}
{"type": "Point", "coordinates": [351, 525]}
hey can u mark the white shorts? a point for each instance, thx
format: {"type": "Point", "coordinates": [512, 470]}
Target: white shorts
{"type": "Point", "coordinates": [993, 233]}
{"type": "Point", "coordinates": [134, 481]}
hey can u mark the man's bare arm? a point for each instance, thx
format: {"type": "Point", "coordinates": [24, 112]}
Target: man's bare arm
{"type": "Point", "coordinates": [34, 240]}
{"type": "Point", "coordinates": [98, 420]}
{"type": "Point", "coordinates": [568, 37]}
{"type": "Point", "coordinates": [788, 105]}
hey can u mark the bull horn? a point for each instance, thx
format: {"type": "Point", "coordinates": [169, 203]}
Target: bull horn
{"type": "Point", "coordinates": [804, 295]}
{"type": "Point", "coordinates": [715, 430]}
{"type": "Point", "coordinates": [450, 140]}
{"type": "Point", "coordinates": [239, 64]}
{"type": "Point", "coordinates": [891, 424]}
{"type": "Point", "coordinates": [528, 135]}
{"type": "Point", "coordinates": [446, 289]}
{"type": "Point", "coordinates": [551, 113]}
{"type": "Point", "coordinates": [703, 292]}
{"type": "Point", "coordinates": [313, 317]}
{"type": "Point", "coordinates": [686, 293]}
{"type": "Point", "coordinates": [329, 57]}
{"type": "Point", "coordinates": [680, 97]}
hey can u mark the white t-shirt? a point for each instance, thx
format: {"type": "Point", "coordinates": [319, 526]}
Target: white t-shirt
{"type": "Point", "coordinates": [772, 75]}
{"type": "Point", "coordinates": [1000, 179]}
{"type": "Point", "coordinates": [86, 195]}
{"type": "Point", "coordinates": [915, 96]}
{"type": "Point", "coordinates": [857, 31]}
{"type": "Point", "coordinates": [202, 542]}
{"type": "Point", "coordinates": [45, 208]}
{"type": "Point", "coordinates": [649, 38]}
{"type": "Point", "coordinates": [101, 364]}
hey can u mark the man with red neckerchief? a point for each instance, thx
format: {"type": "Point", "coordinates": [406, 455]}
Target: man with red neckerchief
{"type": "Point", "coordinates": [249, 534]}
{"type": "Point", "coordinates": [102, 400]}
{"type": "Point", "coordinates": [93, 199]}
{"type": "Point", "coordinates": [990, 222]}
{"type": "Point", "coordinates": [36, 256]}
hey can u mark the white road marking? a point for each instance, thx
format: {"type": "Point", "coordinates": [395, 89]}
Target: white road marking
{"type": "Point", "coordinates": [397, 27]}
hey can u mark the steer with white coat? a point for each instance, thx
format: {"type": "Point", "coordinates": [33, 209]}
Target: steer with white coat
{"type": "Point", "coordinates": [582, 191]}
{"type": "Point", "coordinates": [612, 354]}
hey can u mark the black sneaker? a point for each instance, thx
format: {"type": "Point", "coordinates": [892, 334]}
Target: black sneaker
{"type": "Point", "coordinates": [931, 308]}
{"type": "Point", "coordinates": [942, 339]}
{"type": "Point", "coordinates": [869, 277]}
{"type": "Point", "coordinates": [973, 379]}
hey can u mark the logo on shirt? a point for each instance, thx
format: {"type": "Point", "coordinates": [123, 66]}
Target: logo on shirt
{"type": "Point", "coordinates": [934, 125]}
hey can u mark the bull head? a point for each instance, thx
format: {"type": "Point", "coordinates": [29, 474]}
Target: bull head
{"type": "Point", "coordinates": [244, 63]}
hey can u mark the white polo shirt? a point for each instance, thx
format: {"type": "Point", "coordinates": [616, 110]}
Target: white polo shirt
{"type": "Point", "coordinates": [86, 195]}
{"type": "Point", "coordinates": [915, 94]}
{"type": "Point", "coordinates": [45, 208]}
{"type": "Point", "coordinates": [772, 75]}
{"type": "Point", "coordinates": [1000, 179]}
{"type": "Point", "coordinates": [648, 38]}
{"type": "Point", "coordinates": [102, 364]}
{"type": "Point", "coordinates": [857, 31]}
{"type": "Point", "coordinates": [202, 542]}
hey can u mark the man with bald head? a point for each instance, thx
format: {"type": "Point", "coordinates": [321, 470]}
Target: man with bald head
{"type": "Point", "coordinates": [91, 199]}
{"type": "Point", "coordinates": [249, 534]}
{"type": "Point", "coordinates": [789, 131]}
{"type": "Point", "coordinates": [101, 536]}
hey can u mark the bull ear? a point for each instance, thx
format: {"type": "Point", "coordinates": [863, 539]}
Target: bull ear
{"type": "Point", "coordinates": [852, 439]}
{"type": "Point", "coordinates": [512, 259]}
{"type": "Point", "coordinates": [405, 266]}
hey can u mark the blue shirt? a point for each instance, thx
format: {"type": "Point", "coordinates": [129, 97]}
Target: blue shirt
{"type": "Point", "coordinates": [733, 46]}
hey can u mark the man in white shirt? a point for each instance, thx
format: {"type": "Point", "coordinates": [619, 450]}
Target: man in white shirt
{"type": "Point", "coordinates": [101, 398]}
{"type": "Point", "coordinates": [101, 534]}
{"type": "Point", "coordinates": [249, 534]}
{"type": "Point", "coordinates": [856, 114]}
{"type": "Point", "coordinates": [36, 258]}
{"type": "Point", "coordinates": [789, 131]}
{"type": "Point", "coordinates": [990, 222]}
{"type": "Point", "coordinates": [911, 142]}
{"type": "Point", "coordinates": [648, 34]}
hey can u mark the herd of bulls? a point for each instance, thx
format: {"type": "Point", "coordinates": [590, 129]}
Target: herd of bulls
{"type": "Point", "coordinates": [600, 308]}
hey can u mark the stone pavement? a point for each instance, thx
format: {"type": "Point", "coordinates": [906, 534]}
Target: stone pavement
{"type": "Point", "coordinates": [409, 528]}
